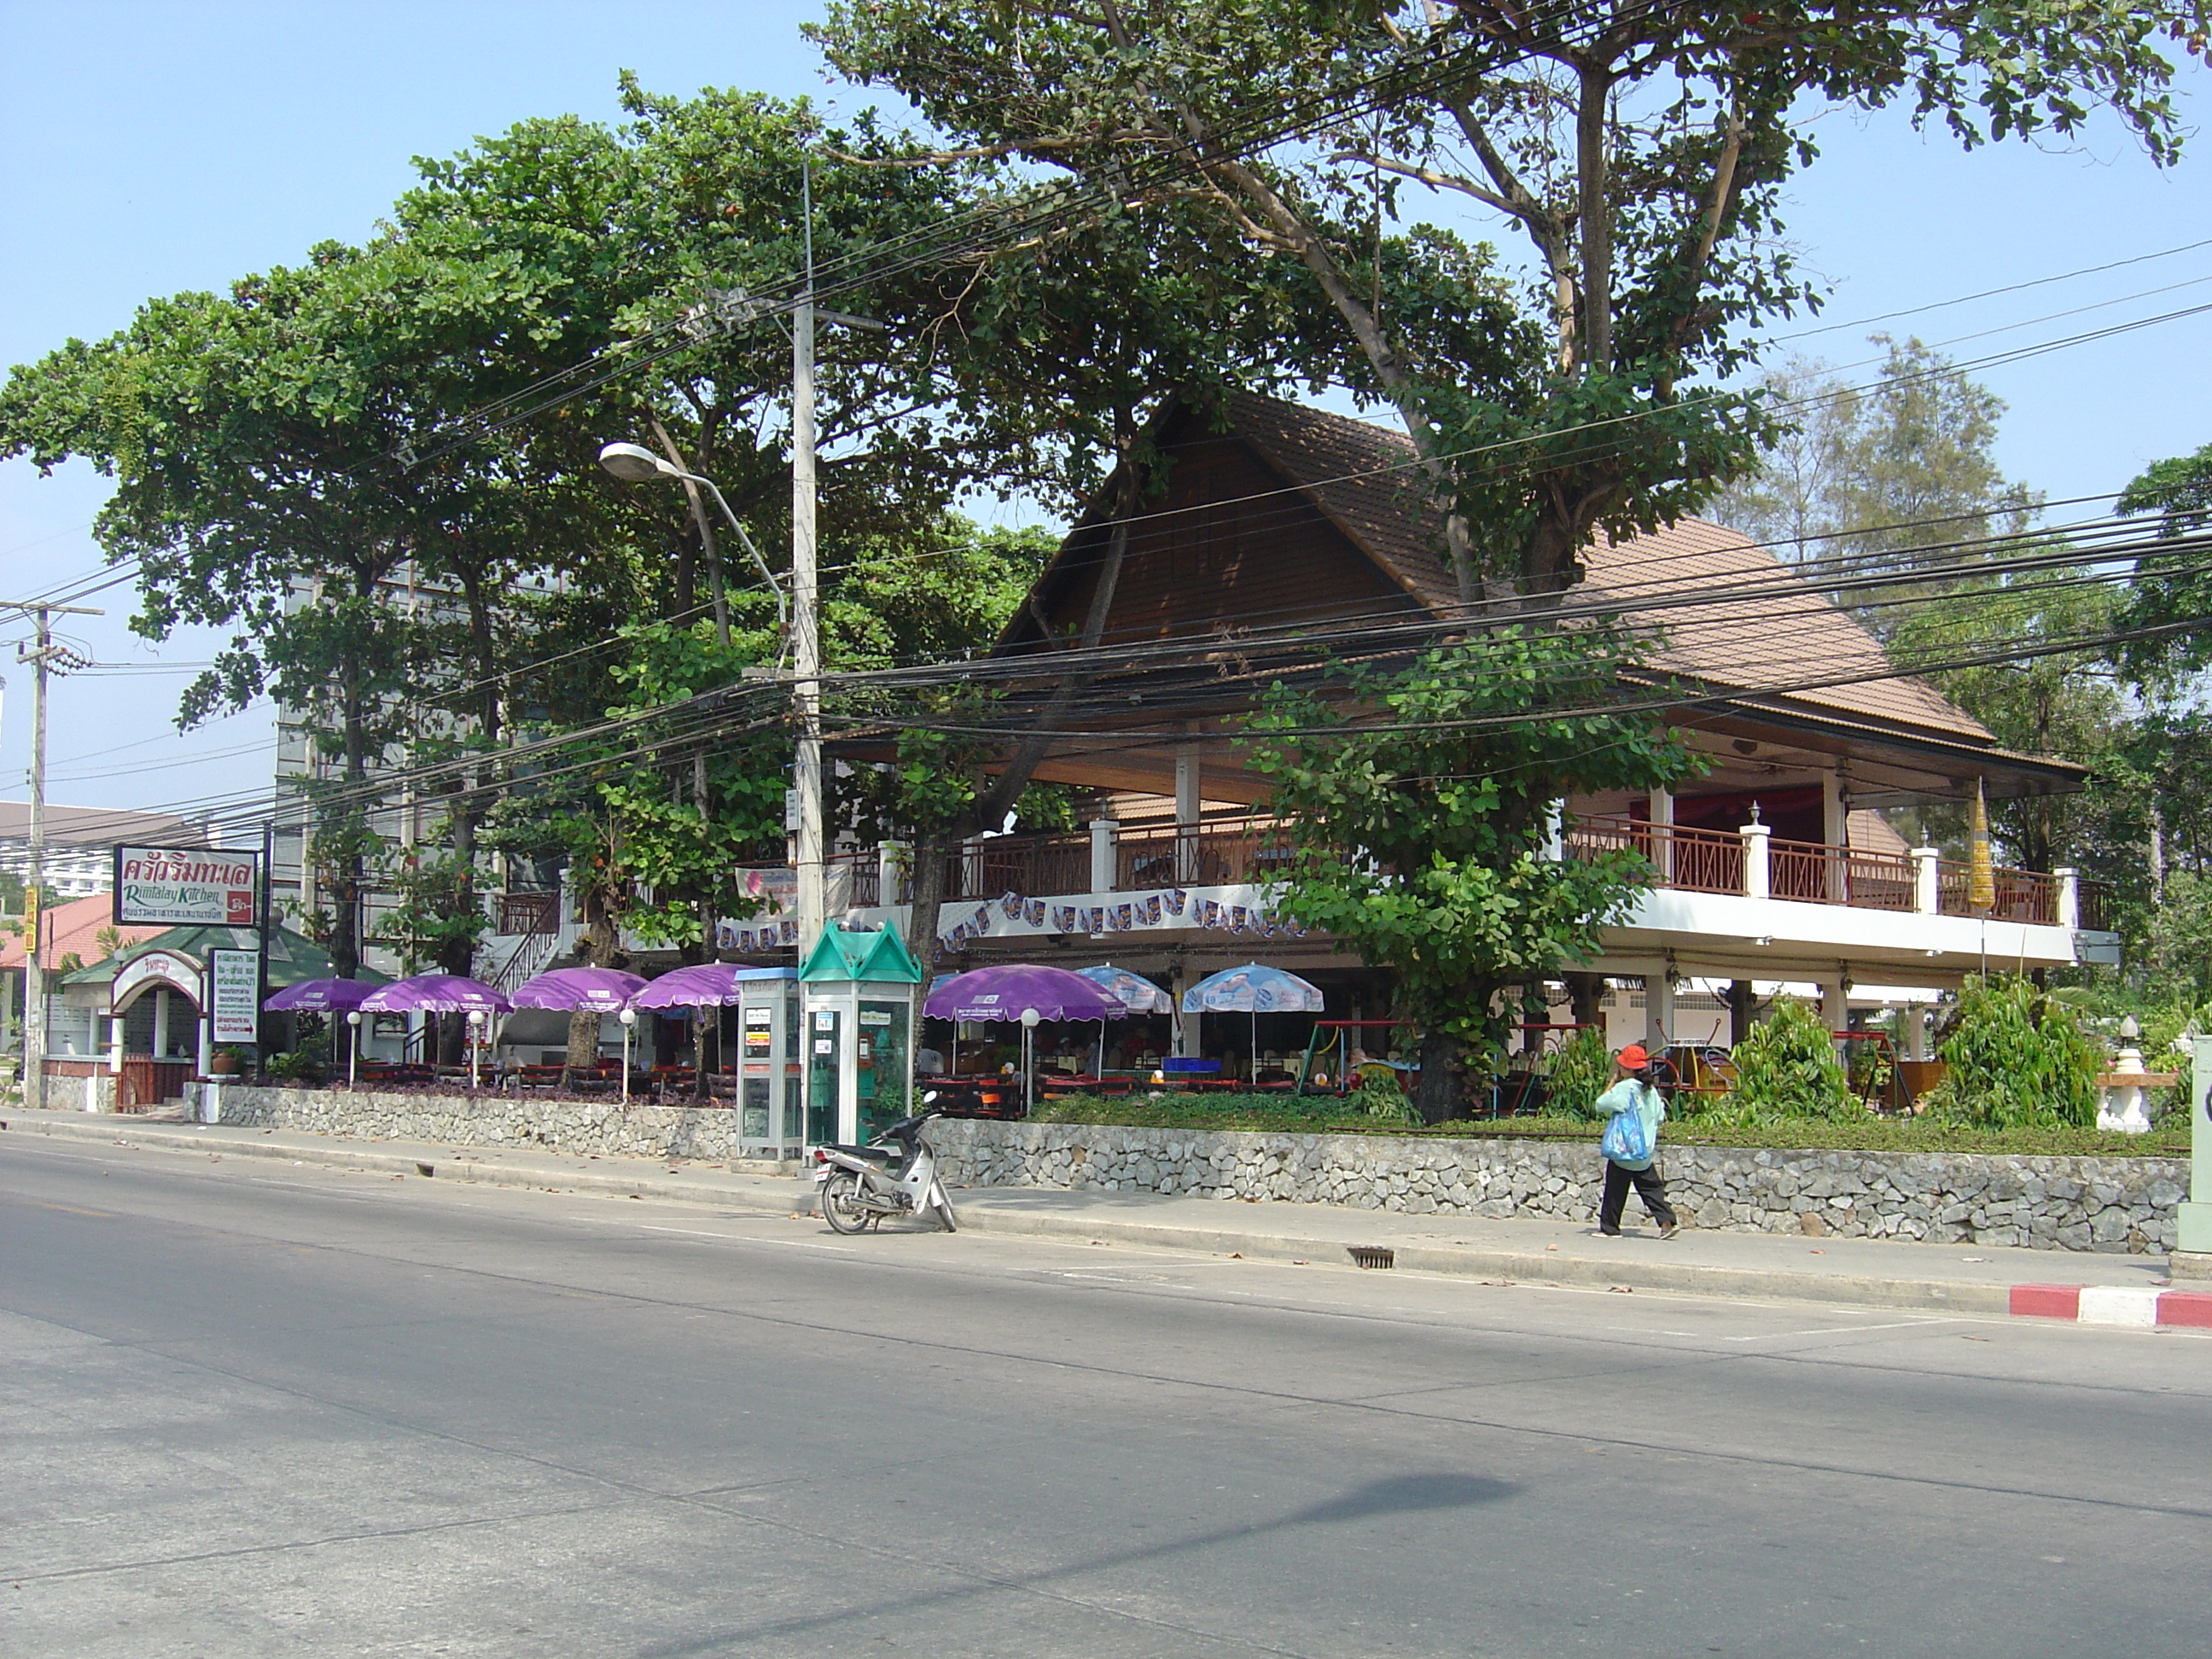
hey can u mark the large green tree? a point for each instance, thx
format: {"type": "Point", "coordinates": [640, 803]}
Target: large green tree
{"type": "Point", "coordinates": [1423, 827]}
{"type": "Point", "coordinates": [1640, 151]}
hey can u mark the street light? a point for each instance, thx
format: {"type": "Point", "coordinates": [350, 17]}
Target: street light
{"type": "Point", "coordinates": [636, 463]}
{"type": "Point", "coordinates": [477, 1017]}
{"type": "Point", "coordinates": [629, 1017]}
{"type": "Point", "coordinates": [1029, 1021]}
{"type": "Point", "coordinates": [353, 1049]}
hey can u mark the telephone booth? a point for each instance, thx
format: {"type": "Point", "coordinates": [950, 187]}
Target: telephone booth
{"type": "Point", "coordinates": [858, 996]}
{"type": "Point", "coordinates": [771, 1109]}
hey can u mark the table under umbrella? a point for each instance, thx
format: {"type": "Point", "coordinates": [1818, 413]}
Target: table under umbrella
{"type": "Point", "coordinates": [1011, 992]}
{"type": "Point", "coordinates": [1257, 989]}
{"type": "Point", "coordinates": [440, 993]}
{"type": "Point", "coordinates": [1135, 993]}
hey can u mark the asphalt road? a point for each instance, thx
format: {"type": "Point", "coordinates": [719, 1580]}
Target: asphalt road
{"type": "Point", "coordinates": [249, 1410]}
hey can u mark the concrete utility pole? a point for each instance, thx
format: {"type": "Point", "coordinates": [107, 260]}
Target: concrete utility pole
{"type": "Point", "coordinates": [42, 658]}
{"type": "Point", "coordinates": [806, 624]}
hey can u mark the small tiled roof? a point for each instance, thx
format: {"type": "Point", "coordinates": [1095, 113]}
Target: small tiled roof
{"type": "Point", "coordinates": [1359, 474]}
{"type": "Point", "coordinates": [71, 928]}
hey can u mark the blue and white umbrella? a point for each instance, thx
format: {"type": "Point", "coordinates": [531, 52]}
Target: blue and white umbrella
{"type": "Point", "coordinates": [1136, 994]}
{"type": "Point", "coordinates": [1254, 989]}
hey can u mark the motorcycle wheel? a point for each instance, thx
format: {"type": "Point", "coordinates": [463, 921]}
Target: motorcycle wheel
{"type": "Point", "coordinates": [840, 1204]}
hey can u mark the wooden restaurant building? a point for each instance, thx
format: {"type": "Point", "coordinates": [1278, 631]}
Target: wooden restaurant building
{"type": "Point", "coordinates": [1776, 866]}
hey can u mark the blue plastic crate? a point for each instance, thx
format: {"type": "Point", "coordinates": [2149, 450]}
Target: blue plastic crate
{"type": "Point", "coordinates": [1190, 1065]}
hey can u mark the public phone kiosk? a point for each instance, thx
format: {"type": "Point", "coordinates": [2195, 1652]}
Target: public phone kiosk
{"type": "Point", "coordinates": [859, 995]}
{"type": "Point", "coordinates": [771, 1115]}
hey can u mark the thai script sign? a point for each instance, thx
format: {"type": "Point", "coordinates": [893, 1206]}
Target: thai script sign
{"type": "Point", "coordinates": [185, 886]}
{"type": "Point", "coordinates": [234, 995]}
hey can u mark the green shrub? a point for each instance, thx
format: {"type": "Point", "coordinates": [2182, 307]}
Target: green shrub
{"type": "Point", "coordinates": [1786, 1067]}
{"type": "Point", "coordinates": [2016, 1057]}
{"type": "Point", "coordinates": [1578, 1074]}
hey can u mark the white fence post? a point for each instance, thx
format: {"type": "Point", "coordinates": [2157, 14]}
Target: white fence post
{"type": "Point", "coordinates": [1926, 890]}
{"type": "Point", "coordinates": [1757, 880]}
{"type": "Point", "coordinates": [1102, 855]}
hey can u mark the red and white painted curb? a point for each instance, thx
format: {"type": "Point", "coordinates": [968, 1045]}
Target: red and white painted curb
{"type": "Point", "coordinates": [2114, 1304]}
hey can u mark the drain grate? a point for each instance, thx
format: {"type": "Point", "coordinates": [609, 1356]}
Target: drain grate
{"type": "Point", "coordinates": [1374, 1256]}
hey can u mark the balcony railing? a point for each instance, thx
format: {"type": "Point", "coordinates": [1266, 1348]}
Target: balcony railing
{"type": "Point", "coordinates": [1217, 854]}
{"type": "Point", "coordinates": [2021, 894]}
{"type": "Point", "coordinates": [1815, 874]}
{"type": "Point", "coordinates": [1701, 860]}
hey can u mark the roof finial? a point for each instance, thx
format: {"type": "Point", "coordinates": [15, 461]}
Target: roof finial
{"type": "Point", "coordinates": [1754, 810]}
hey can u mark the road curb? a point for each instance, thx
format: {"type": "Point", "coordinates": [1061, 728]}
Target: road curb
{"type": "Point", "coordinates": [2141, 1306]}
{"type": "Point", "coordinates": [1520, 1268]}
{"type": "Point", "coordinates": [450, 1166]}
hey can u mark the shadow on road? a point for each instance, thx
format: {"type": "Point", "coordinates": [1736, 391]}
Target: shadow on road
{"type": "Point", "coordinates": [1402, 1494]}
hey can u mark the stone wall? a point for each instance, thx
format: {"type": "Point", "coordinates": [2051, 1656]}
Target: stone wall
{"type": "Point", "coordinates": [2118, 1205]}
{"type": "Point", "coordinates": [606, 1129]}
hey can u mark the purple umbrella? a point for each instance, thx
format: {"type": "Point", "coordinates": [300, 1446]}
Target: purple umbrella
{"type": "Point", "coordinates": [704, 985]}
{"type": "Point", "coordinates": [594, 990]}
{"type": "Point", "coordinates": [320, 996]}
{"type": "Point", "coordinates": [438, 993]}
{"type": "Point", "coordinates": [1005, 993]}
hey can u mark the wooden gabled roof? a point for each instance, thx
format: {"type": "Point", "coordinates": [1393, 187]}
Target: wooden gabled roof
{"type": "Point", "coordinates": [1363, 476]}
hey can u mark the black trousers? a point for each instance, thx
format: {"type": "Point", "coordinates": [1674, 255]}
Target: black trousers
{"type": "Point", "coordinates": [1648, 1187]}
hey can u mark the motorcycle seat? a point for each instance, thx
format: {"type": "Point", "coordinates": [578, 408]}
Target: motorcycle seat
{"type": "Point", "coordinates": [873, 1154]}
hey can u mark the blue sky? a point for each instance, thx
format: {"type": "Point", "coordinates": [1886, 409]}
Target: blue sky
{"type": "Point", "coordinates": [176, 144]}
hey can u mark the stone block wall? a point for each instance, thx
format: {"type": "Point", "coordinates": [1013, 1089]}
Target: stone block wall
{"type": "Point", "coordinates": [2117, 1205]}
{"type": "Point", "coordinates": [604, 1128]}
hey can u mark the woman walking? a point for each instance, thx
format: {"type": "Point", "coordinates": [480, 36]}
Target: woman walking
{"type": "Point", "coordinates": [1633, 1111]}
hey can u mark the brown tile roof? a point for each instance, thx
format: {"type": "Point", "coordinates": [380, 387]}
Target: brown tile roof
{"type": "Point", "coordinates": [1358, 473]}
{"type": "Point", "coordinates": [71, 927]}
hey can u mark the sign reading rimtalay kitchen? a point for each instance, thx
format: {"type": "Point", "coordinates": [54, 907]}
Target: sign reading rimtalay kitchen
{"type": "Point", "coordinates": [185, 886]}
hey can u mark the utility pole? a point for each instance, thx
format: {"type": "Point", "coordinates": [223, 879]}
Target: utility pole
{"type": "Point", "coordinates": [35, 974]}
{"type": "Point", "coordinates": [806, 627]}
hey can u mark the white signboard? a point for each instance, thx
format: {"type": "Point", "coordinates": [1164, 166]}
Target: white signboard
{"type": "Point", "coordinates": [185, 886]}
{"type": "Point", "coordinates": [234, 995]}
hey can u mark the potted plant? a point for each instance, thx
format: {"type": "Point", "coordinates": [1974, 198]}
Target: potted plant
{"type": "Point", "coordinates": [226, 1062]}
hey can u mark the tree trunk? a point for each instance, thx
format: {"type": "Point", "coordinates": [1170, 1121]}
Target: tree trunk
{"type": "Point", "coordinates": [1593, 107]}
{"type": "Point", "coordinates": [1441, 1094]}
{"type": "Point", "coordinates": [1585, 992]}
{"type": "Point", "coordinates": [926, 887]}
{"type": "Point", "coordinates": [583, 1041]}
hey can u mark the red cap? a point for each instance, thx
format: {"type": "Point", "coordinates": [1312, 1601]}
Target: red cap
{"type": "Point", "coordinates": [1633, 1057]}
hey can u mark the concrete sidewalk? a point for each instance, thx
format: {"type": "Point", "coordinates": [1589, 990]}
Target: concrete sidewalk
{"type": "Point", "coordinates": [1950, 1278]}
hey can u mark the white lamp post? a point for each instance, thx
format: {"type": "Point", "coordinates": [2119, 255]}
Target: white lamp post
{"type": "Point", "coordinates": [353, 1049]}
{"type": "Point", "coordinates": [476, 1043]}
{"type": "Point", "coordinates": [629, 1017]}
{"type": "Point", "coordinates": [1030, 1020]}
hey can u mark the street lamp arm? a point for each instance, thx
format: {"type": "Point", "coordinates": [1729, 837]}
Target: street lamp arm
{"type": "Point", "coordinates": [783, 607]}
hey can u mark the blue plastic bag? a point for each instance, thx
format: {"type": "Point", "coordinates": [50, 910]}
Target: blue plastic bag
{"type": "Point", "coordinates": [1627, 1137]}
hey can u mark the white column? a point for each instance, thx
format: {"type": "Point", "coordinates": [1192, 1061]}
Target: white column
{"type": "Point", "coordinates": [1835, 1004]}
{"type": "Point", "coordinates": [1555, 831]}
{"type": "Point", "coordinates": [1102, 855]}
{"type": "Point", "coordinates": [891, 859]}
{"type": "Point", "coordinates": [1658, 1011]}
{"type": "Point", "coordinates": [1189, 807]}
{"type": "Point", "coordinates": [2069, 898]}
{"type": "Point", "coordinates": [160, 1022]}
{"type": "Point", "coordinates": [115, 1044]}
{"type": "Point", "coordinates": [1835, 829]}
{"type": "Point", "coordinates": [1913, 1020]}
{"type": "Point", "coordinates": [1662, 842]}
{"type": "Point", "coordinates": [1927, 888]}
{"type": "Point", "coordinates": [1757, 882]}
{"type": "Point", "coordinates": [207, 1044]}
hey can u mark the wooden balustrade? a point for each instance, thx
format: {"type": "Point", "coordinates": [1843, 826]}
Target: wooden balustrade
{"type": "Point", "coordinates": [2027, 895]}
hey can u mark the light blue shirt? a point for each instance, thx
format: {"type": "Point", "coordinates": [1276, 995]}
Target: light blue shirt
{"type": "Point", "coordinates": [1629, 1095]}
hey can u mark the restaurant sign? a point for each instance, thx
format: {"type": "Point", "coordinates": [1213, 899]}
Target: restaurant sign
{"type": "Point", "coordinates": [234, 995]}
{"type": "Point", "coordinates": [185, 887]}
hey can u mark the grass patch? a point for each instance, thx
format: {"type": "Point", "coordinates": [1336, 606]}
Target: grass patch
{"type": "Point", "coordinates": [1318, 1115]}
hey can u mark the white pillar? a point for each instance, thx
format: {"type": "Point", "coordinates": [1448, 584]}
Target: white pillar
{"type": "Point", "coordinates": [1658, 1011]}
{"type": "Point", "coordinates": [115, 1044]}
{"type": "Point", "coordinates": [1835, 1004]}
{"type": "Point", "coordinates": [1914, 1020]}
{"type": "Point", "coordinates": [1555, 831]}
{"type": "Point", "coordinates": [160, 1022]}
{"type": "Point", "coordinates": [2069, 898]}
{"type": "Point", "coordinates": [1835, 830]}
{"type": "Point", "coordinates": [1757, 881]}
{"type": "Point", "coordinates": [1102, 855]}
{"type": "Point", "coordinates": [890, 861]}
{"type": "Point", "coordinates": [207, 1045]}
{"type": "Point", "coordinates": [1663, 843]}
{"type": "Point", "coordinates": [1189, 807]}
{"type": "Point", "coordinates": [1927, 886]}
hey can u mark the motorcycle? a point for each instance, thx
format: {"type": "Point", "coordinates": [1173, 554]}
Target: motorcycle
{"type": "Point", "coordinates": [895, 1173]}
